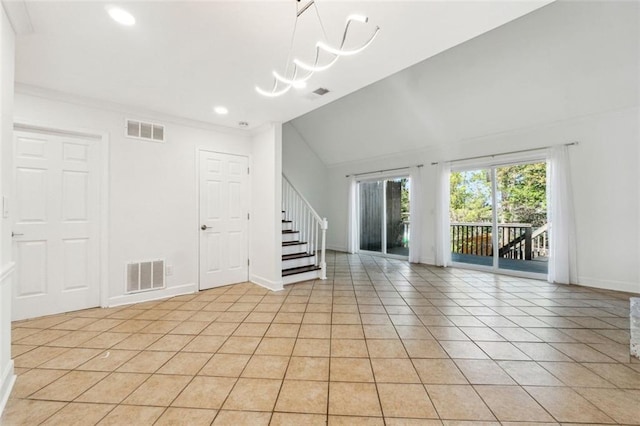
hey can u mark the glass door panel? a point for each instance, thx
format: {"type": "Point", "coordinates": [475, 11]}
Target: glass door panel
{"type": "Point", "coordinates": [471, 216]}
{"type": "Point", "coordinates": [384, 216]}
{"type": "Point", "coordinates": [521, 207]}
{"type": "Point", "coordinates": [397, 216]}
{"type": "Point", "coordinates": [518, 211]}
{"type": "Point", "coordinates": [371, 212]}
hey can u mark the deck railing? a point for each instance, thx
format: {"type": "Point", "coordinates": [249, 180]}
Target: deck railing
{"type": "Point", "coordinates": [515, 240]}
{"type": "Point", "coordinates": [471, 238]}
{"type": "Point", "coordinates": [312, 227]}
{"type": "Point", "coordinates": [540, 241]}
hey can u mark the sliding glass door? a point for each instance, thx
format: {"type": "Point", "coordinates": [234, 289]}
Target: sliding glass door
{"type": "Point", "coordinates": [371, 212]}
{"type": "Point", "coordinates": [384, 220]}
{"type": "Point", "coordinates": [521, 207]}
{"type": "Point", "coordinates": [471, 216]}
{"type": "Point", "coordinates": [499, 217]}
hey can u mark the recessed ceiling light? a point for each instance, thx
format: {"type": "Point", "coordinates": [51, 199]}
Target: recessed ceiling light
{"type": "Point", "coordinates": [121, 16]}
{"type": "Point", "coordinates": [221, 110]}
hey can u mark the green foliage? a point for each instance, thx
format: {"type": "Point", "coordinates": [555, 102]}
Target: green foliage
{"type": "Point", "coordinates": [404, 198]}
{"type": "Point", "coordinates": [404, 208]}
{"type": "Point", "coordinates": [522, 195]}
{"type": "Point", "coordinates": [470, 196]}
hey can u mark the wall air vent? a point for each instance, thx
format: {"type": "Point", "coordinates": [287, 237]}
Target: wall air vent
{"type": "Point", "coordinates": [145, 131]}
{"type": "Point", "coordinates": [144, 276]}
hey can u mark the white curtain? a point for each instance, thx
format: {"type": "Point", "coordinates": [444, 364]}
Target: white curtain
{"type": "Point", "coordinates": [352, 220]}
{"type": "Point", "coordinates": [562, 236]}
{"type": "Point", "coordinates": [415, 215]}
{"type": "Point", "coordinates": [443, 249]}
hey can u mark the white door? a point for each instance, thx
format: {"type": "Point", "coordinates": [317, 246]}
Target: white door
{"type": "Point", "coordinates": [56, 226]}
{"type": "Point", "coordinates": [224, 210]}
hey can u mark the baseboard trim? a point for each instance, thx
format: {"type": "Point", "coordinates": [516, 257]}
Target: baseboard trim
{"type": "Point", "coordinates": [625, 286]}
{"type": "Point", "coordinates": [128, 299]}
{"type": "Point", "coordinates": [7, 381]}
{"type": "Point", "coordinates": [7, 377]}
{"type": "Point", "coordinates": [337, 248]}
{"type": "Point", "coordinates": [268, 284]}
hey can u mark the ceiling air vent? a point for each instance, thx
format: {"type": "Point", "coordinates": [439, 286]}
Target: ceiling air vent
{"type": "Point", "coordinates": [321, 91]}
{"type": "Point", "coordinates": [146, 131]}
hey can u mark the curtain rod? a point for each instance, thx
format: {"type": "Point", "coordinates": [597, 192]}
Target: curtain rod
{"type": "Point", "coordinates": [503, 153]}
{"type": "Point", "coordinates": [382, 171]}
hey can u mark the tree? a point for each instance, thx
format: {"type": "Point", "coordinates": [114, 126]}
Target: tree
{"type": "Point", "coordinates": [404, 200]}
{"type": "Point", "coordinates": [470, 197]}
{"type": "Point", "coordinates": [521, 197]}
{"type": "Point", "coordinates": [523, 193]}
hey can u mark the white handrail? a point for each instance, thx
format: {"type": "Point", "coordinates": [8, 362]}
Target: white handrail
{"type": "Point", "coordinates": [540, 230]}
{"type": "Point", "coordinates": [539, 239]}
{"type": "Point", "coordinates": [312, 227]}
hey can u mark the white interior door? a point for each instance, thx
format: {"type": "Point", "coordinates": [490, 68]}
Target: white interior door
{"type": "Point", "coordinates": [224, 210]}
{"type": "Point", "coordinates": [56, 226]}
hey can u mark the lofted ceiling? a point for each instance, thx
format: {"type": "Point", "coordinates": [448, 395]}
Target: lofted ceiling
{"type": "Point", "coordinates": [183, 58]}
{"type": "Point", "coordinates": [566, 60]}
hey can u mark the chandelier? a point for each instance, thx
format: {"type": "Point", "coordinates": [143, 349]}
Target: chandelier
{"type": "Point", "coordinates": [297, 72]}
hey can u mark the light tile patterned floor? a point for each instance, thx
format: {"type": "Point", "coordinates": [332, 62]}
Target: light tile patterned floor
{"type": "Point", "coordinates": [380, 342]}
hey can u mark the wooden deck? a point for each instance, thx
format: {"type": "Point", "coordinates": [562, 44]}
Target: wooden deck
{"type": "Point", "coordinates": [537, 266]}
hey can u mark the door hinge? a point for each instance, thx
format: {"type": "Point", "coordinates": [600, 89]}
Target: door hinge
{"type": "Point", "coordinates": [248, 262]}
{"type": "Point", "coordinates": [248, 216]}
{"type": "Point", "coordinates": [248, 170]}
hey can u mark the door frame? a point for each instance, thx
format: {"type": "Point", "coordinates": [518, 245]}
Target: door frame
{"type": "Point", "coordinates": [197, 223]}
{"type": "Point", "coordinates": [104, 142]}
{"type": "Point", "coordinates": [491, 166]}
{"type": "Point", "coordinates": [383, 249]}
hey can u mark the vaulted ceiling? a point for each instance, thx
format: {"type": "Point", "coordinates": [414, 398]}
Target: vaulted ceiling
{"type": "Point", "coordinates": [567, 59]}
{"type": "Point", "coordinates": [183, 58]}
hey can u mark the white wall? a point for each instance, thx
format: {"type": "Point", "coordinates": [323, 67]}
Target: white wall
{"type": "Point", "coordinates": [568, 71]}
{"type": "Point", "coordinates": [339, 187]}
{"type": "Point", "coordinates": [304, 169]}
{"type": "Point", "coordinates": [565, 60]}
{"type": "Point", "coordinates": [7, 58]}
{"type": "Point", "coordinates": [265, 247]}
{"type": "Point", "coordinates": [606, 187]}
{"type": "Point", "coordinates": [152, 186]}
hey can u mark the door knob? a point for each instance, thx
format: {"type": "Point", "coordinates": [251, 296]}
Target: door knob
{"type": "Point", "coordinates": [204, 227]}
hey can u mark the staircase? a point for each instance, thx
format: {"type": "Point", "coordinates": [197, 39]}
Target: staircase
{"type": "Point", "coordinates": [303, 238]}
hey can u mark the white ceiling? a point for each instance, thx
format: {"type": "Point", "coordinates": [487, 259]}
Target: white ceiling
{"type": "Point", "coordinates": [569, 59]}
{"type": "Point", "coordinates": [183, 58]}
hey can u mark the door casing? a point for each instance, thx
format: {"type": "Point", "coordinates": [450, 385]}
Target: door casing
{"type": "Point", "coordinates": [103, 141]}
{"type": "Point", "coordinates": [199, 152]}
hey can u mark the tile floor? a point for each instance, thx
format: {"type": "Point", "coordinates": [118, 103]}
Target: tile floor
{"type": "Point", "coordinates": [380, 342]}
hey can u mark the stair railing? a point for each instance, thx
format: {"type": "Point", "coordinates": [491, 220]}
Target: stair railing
{"type": "Point", "coordinates": [312, 227]}
{"type": "Point", "coordinates": [540, 240]}
{"type": "Point", "coordinates": [515, 241]}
